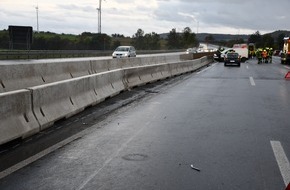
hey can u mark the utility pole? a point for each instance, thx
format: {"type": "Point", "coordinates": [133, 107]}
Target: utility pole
{"type": "Point", "coordinates": [100, 17]}
{"type": "Point", "coordinates": [37, 18]}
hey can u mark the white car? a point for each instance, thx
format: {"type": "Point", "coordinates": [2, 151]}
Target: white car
{"type": "Point", "coordinates": [124, 51]}
{"type": "Point", "coordinates": [190, 50]}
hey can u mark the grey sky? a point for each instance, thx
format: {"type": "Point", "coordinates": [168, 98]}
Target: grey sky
{"type": "Point", "coordinates": [160, 16]}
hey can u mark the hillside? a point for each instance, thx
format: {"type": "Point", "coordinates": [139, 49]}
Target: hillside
{"type": "Point", "coordinates": [228, 37]}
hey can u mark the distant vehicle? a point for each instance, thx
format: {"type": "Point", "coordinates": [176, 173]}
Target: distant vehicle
{"type": "Point", "coordinates": [205, 48]}
{"type": "Point", "coordinates": [220, 56]}
{"type": "Point", "coordinates": [232, 58]}
{"type": "Point", "coordinates": [277, 52]}
{"type": "Point", "coordinates": [240, 46]}
{"type": "Point", "coordinates": [242, 50]}
{"type": "Point", "coordinates": [285, 54]}
{"type": "Point", "coordinates": [124, 51]}
{"type": "Point", "coordinates": [190, 50]}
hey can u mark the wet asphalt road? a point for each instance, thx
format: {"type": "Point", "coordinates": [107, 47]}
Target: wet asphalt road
{"type": "Point", "coordinates": [221, 120]}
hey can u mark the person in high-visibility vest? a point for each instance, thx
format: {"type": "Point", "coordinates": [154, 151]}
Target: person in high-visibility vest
{"type": "Point", "coordinates": [259, 55]}
{"type": "Point", "coordinates": [264, 56]}
{"type": "Point", "coordinates": [270, 54]}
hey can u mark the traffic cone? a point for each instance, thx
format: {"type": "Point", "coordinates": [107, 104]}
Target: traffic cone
{"type": "Point", "coordinates": [288, 187]}
{"type": "Point", "coordinates": [287, 76]}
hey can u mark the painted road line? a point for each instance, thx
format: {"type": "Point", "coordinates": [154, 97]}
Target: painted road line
{"type": "Point", "coordinates": [282, 161]}
{"type": "Point", "coordinates": [247, 67]}
{"type": "Point", "coordinates": [114, 155]}
{"type": "Point", "coordinates": [42, 154]}
{"type": "Point", "coordinates": [287, 67]}
{"type": "Point", "coordinates": [252, 81]}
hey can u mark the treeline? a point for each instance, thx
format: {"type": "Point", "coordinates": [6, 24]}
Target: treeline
{"type": "Point", "coordinates": [95, 41]}
{"type": "Point", "coordinates": [267, 40]}
{"type": "Point", "coordinates": [141, 40]}
{"type": "Point", "coordinates": [260, 41]}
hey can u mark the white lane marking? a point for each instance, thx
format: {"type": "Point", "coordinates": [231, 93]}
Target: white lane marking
{"type": "Point", "coordinates": [287, 67]}
{"type": "Point", "coordinates": [282, 161]}
{"type": "Point", "coordinates": [252, 81]}
{"type": "Point", "coordinates": [39, 155]}
{"type": "Point", "coordinates": [114, 155]}
{"type": "Point", "coordinates": [247, 67]}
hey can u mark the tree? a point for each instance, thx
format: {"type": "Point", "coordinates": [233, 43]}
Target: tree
{"type": "Point", "coordinates": [138, 39]}
{"type": "Point", "coordinates": [280, 41]}
{"type": "Point", "coordinates": [116, 44]}
{"type": "Point", "coordinates": [256, 38]}
{"type": "Point", "coordinates": [151, 41]}
{"type": "Point", "coordinates": [100, 42]}
{"type": "Point", "coordinates": [188, 38]}
{"type": "Point", "coordinates": [173, 40]}
{"type": "Point", "coordinates": [118, 36]}
{"type": "Point", "coordinates": [4, 39]}
{"type": "Point", "coordinates": [268, 40]}
{"type": "Point", "coordinates": [155, 41]}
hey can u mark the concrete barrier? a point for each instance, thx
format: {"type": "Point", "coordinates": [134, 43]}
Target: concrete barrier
{"type": "Point", "coordinates": [17, 119]}
{"type": "Point", "coordinates": [137, 76]}
{"type": "Point", "coordinates": [21, 76]}
{"type": "Point", "coordinates": [99, 66]}
{"type": "Point", "coordinates": [63, 99]}
{"type": "Point", "coordinates": [56, 100]}
{"type": "Point", "coordinates": [108, 84]}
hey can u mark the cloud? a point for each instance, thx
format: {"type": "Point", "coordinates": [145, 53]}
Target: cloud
{"type": "Point", "coordinates": [126, 16]}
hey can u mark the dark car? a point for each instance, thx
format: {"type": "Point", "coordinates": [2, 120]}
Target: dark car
{"type": "Point", "coordinates": [232, 58]}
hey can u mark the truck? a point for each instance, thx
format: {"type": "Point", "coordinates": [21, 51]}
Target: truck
{"type": "Point", "coordinates": [285, 54]}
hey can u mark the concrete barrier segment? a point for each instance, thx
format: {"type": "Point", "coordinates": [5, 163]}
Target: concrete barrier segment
{"type": "Point", "coordinates": [172, 58]}
{"type": "Point", "coordinates": [132, 78]}
{"type": "Point", "coordinates": [137, 76]}
{"type": "Point", "coordinates": [54, 101]}
{"type": "Point", "coordinates": [17, 119]}
{"type": "Point", "coordinates": [108, 84]}
{"type": "Point", "coordinates": [98, 66]}
{"type": "Point", "coordinates": [21, 76]}
{"type": "Point", "coordinates": [63, 99]}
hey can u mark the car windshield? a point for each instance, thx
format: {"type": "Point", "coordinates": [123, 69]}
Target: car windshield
{"type": "Point", "coordinates": [122, 49]}
{"type": "Point", "coordinates": [232, 55]}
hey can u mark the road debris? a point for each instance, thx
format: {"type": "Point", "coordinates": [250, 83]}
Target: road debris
{"type": "Point", "coordinates": [192, 167]}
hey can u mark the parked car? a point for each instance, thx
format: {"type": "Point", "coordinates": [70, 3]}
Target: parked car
{"type": "Point", "coordinates": [124, 51]}
{"type": "Point", "coordinates": [232, 58]}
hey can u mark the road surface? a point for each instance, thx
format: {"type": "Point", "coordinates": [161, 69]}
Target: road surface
{"type": "Point", "coordinates": [218, 128]}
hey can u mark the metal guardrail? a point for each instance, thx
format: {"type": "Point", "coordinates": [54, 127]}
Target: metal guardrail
{"type": "Point", "coordinates": [46, 54]}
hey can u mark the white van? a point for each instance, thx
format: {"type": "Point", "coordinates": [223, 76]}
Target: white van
{"type": "Point", "coordinates": [243, 52]}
